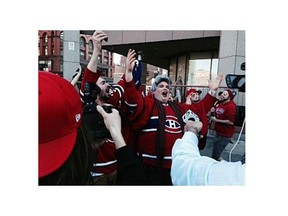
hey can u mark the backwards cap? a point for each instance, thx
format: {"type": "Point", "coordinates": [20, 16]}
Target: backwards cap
{"type": "Point", "coordinates": [59, 118]}
{"type": "Point", "coordinates": [192, 90]}
{"type": "Point", "coordinates": [230, 93]}
{"type": "Point", "coordinates": [159, 79]}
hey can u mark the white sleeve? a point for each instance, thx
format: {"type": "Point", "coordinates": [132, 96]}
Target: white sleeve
{"type": "Point", "coordinates": [190, 168]}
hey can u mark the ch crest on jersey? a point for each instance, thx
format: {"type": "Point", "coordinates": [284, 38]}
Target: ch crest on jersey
{"type": "Point", "coordinates": [172, 125]}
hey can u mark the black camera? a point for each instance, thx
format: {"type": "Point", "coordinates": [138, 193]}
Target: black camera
{"type": "Point", "coordinates": [91, 117]}
{"type": "Point", "coordinates": [91, 90]}
{"type": "Point", "coordinates": [95, 122]}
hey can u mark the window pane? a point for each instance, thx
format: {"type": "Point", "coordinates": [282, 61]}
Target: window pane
{"type": "Point", "coordinates": [90, 46]}
{"type": "Point", "coordinates": [82, 43]}
{"type": "Point", "coordinates": [214, 68]}
{"type": "Point", "coordinates": [62, 35]}
{"type": "Point", "coordinates": [82, 55]}
{"type": "Point", "coordinates": [199, 72]}
{"type": "Point", "coordinates": [46, 50]}
{"type": "Point", "coordinates": [172, 69]}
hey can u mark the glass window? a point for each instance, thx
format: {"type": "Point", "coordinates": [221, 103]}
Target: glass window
{"type": "Point", "coordinates": [201, 67]}
{"type": "Point", "coordinates": [172, 69]}
{"type": "Point", "coordinates": [46, 50]}
{"type": "Point", "coordinates": [52, 36]}
{"type": "Point", "coordinates": [82, 55]}
{"type": "Point", "coordinates": [82, 48]}
{"type": "Point", "coordinates": [90, 46]}
{"type": "Point", "coordinates": [214, 68]}
{"type": "Point", "coordinates": [199, 72]}
{"type": "Point", "coordinates": [61, 68]}
{"type": "Point", "coordinates": [61, 35]}
{"type": "Point", "coordinates": [105, 60]}
{"type": "Point", "coordinates": [181, 67]}
{"type": "Point", "coordinates": [180, 76]}
{"type": "Point", "coordinates": [82, 43]}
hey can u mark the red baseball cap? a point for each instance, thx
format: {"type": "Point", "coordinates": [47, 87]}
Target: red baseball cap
{"type": "Point", "coordinates": [192, 90]}
{"type": "Point", "coordinates": [230, 93]}
{"type": "Point", "coordinates": [60, 113]}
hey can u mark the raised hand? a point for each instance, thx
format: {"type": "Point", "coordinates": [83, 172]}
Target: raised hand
{"type": "Point", "coordinates": [215, 84]}
{"type": "Point", "coordinates": [97, 38]}
{"type": "Point", "coordinates": [113, 124]}
{"type": "Point", "coordinates": [112, 120]}
{"type": "Point", "coordinates": [193, 126]}
{"type": "Point", "coordinates": [130, 62]}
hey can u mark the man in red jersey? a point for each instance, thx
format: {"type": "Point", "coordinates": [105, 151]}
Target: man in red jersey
{"type": "Point", "coordinates": [193, 97]}
{"type": "Point", "coordinates": [105, 164]}
{"type": "Point", "coordinates": [159, 122]}
{"type": "Point", "coordinates": [224, 119]}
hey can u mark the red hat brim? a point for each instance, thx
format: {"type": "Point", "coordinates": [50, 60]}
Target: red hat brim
{"type": "Point", "coordinates": [53, 154]}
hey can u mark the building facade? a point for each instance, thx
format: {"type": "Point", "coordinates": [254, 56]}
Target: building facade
{"type": "Point", "coordinates": [194, 55]}
{"type": "Point", "coordinates": [56, 52]}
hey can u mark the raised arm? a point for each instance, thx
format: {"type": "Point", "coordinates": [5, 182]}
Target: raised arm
{"type": "Point", "coordinates": [215, 84]}
{"type": "Point", "coordinates": [130, 170]}
{"type": "Point", "coordinates": [76, 78]}
{"type": "Point", "coordinates": [190, 168]}
{"type": "Point", "coordinates": [130, 61]}
{"type": "Point", "coordinates": [209, 100]}
{"type": "Point", "coordinates": [113, 124]}
{"type": "Point", "coordinates": [97, 39]}
{"type": "Point", "coordinates": [90, 73]}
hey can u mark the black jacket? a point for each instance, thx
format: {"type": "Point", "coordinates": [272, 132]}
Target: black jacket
{"type": "Point", "coordinates": [130, 170]}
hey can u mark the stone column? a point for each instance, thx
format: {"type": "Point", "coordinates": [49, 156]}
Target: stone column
{"type": "Point", "coordinates": [231, 56]}
{"type": "Point", "coordinates": [71, 53]}
{"type": "Point", "coordinates": [231, 52]}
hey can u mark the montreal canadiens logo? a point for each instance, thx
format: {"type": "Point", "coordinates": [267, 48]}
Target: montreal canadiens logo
{"type": "Point", "coordinates": [172, 125]}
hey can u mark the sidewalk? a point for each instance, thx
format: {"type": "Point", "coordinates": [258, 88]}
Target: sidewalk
{"type": "Point", "coordinates": [236, 154]}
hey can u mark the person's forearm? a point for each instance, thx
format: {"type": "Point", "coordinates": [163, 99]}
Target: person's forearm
{"type": "Point", "coordinates": [92, 65]}
{"type": "Point", "coordinates": [189, 143]}
{"type": "Point", "coordinates": [75, 79]}
{"type": "Point", "coordinates": [117, 138]}
{"type": "Point", "coordinates": [223, 121]}
{"type": "Point", "coordinates": [128, 76]}
{"type": "Point", "coordinates": [208, 102]}
{"type": "Point", "coordinates": [188, 166]}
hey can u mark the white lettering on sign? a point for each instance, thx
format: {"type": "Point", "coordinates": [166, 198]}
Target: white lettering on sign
{"type": "Point", "coordinates": [71, 45]}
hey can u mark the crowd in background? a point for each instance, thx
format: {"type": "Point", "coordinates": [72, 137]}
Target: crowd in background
{"type": "Point", "coordinates": [98, 134]}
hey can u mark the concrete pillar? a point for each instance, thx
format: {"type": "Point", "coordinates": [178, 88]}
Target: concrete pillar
{"type": "Point", "coordinates": [231, 52]}
{"type": "Point", "coordinates": [231, 56]}
{"type": "Point", "coordinates": [71, 53]}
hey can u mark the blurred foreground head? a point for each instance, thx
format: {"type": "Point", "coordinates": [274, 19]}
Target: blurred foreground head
{"type": "Point", "coordinates": [61, 135]}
